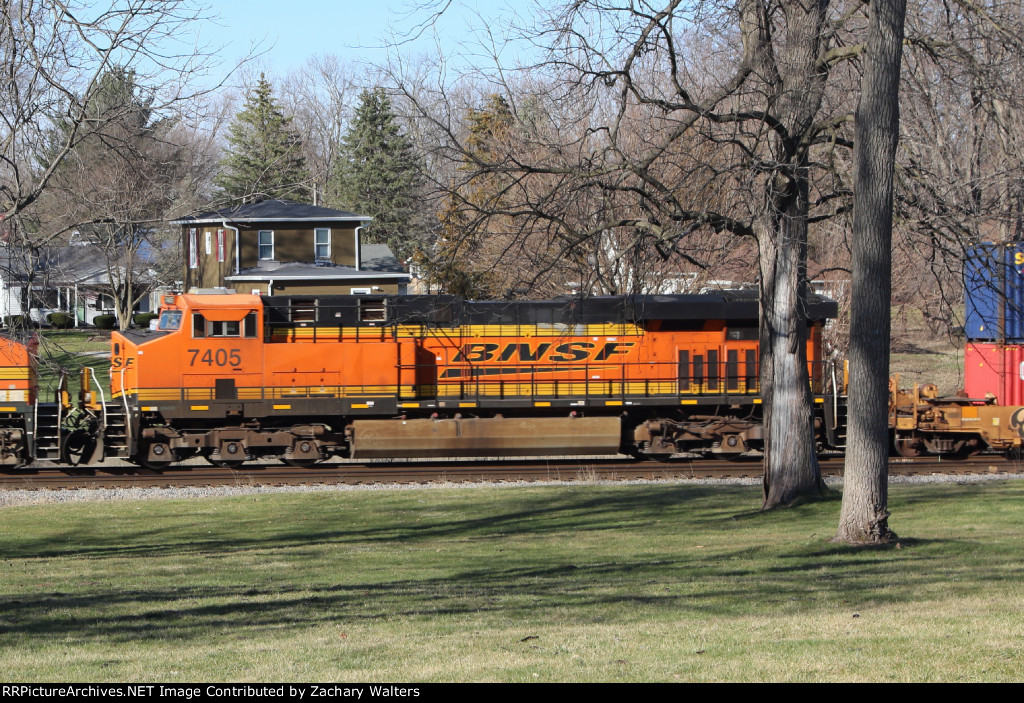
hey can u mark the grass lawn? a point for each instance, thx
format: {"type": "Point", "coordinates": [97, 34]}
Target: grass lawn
{"type": "Point", "coordinates": [549, 583]}
{"type": "Point", "coordinates": [70, 350]}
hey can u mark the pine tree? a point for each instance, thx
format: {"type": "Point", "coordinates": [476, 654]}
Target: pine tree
{"type": "Point", "coordinates": [379, 175]}
{"type": "Point", "coordinates": [264, 156]}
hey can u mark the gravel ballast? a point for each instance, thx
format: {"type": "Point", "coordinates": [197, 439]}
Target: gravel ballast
{"type": "Point", "coordinates": [11, 498]}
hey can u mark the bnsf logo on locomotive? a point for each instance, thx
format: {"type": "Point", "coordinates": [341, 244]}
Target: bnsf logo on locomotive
{"type": "Point", "coordinates": [547, 352]}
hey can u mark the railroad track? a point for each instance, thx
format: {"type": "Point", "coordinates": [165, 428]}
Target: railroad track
{"type": "Point", "coordinates": [123, 475]}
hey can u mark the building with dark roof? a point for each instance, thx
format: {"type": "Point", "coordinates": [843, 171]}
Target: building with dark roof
{"type": "Point", "coordinates": [280, 247]}
{"type": "Point", "coordinates": [73, 279]}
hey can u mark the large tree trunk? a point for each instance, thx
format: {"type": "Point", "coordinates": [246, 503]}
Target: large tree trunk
{"type": "Point", "coordinates": [865, 514]}
{"type": "Point", "coordinates": [797, 77]}
{"type": "Point", "coordinates": [790, 463]}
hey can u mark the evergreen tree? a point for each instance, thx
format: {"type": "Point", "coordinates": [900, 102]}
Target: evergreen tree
{"type": "Point", "coordinates": [379, 175]}
{"type": "Point", "coordinates": [264, 156]}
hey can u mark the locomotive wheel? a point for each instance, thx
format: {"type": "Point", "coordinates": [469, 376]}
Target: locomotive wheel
{"type": "Point", "coordinates": [144, 460]}
{"type": "Point", "coordinates": [232, 449]}
{"type": "Point", "coordinates": [300, 463]}
{"type": "Point", "coordinates": [907, 447]}
{"type": "Point", "coordinates": [152, 464]}
{"type": "Point", "coordinates": [306, 455]}
{"type": "Point", "coordinates": [225, 463]}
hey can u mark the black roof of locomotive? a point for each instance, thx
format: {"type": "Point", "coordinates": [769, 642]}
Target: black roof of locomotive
{"type": "Point", "coordinates": [453, 310]}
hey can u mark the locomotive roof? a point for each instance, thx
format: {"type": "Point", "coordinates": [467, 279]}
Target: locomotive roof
{"type": "Point", "coordinates": [450, 309]}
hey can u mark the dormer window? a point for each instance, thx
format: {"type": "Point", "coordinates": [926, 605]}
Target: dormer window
{"type": "Point", "coordinates": [322, 243]}
{"type": "Point", "coordinates": [266, 245]}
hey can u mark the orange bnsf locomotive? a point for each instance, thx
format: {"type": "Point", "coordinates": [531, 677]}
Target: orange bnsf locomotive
{"type": "Point", "coordinates": [233, 377]}
{"type": "Point", "coordinates": [18, 388]}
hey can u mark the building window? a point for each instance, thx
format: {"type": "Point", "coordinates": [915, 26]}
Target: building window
{"type": "Point", "coordinates": [322, 243]}
{"type": "Point", "coordinates": [193, 248]}
{"type": "Point", "coordinates": [209, 242]}
{"type": "Point", "coordinates": [220, 245]}
{"type": "Point", "coordinates": [266, 245]}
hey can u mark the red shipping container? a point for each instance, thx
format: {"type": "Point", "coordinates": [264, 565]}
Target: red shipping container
{"type": "Point", "coordinates": [997, 369]}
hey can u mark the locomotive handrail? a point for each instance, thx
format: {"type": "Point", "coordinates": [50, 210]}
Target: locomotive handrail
{"type": "Point", "coordinates": [103, 400]}
{"type": "Point", "coordinates": [35, 422]}
{"type": "Point", "coordinates": [835, 397]}
{"type": "Point", "coordinates": [127, 413]}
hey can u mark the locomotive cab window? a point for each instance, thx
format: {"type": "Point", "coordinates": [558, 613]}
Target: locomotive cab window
{"type": "Point", "coordinates": [226, 328]}
{"type": "Point", "coordinates": [170, 320]}
{"type": "Point", "coordinates": [201, 327]}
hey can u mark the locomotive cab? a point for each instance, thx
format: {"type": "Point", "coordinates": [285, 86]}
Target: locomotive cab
{"type": "Point", "coordinates": [197, 368]}
{"type": "Point", "coordinates": [205, 348]}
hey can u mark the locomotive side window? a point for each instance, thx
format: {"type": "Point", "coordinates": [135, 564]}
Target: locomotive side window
{"type": "Point", "coordinates": [201, 327]}
{"type": "Point", "coordinates": [226, 328]}
{"type": "Point", "coordinates": [169, 320]}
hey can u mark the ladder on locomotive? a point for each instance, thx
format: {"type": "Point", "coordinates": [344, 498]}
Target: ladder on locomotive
{"type": "Point", "coordinates": [47, 430]}
{"type": "Point", "coordinates": [115, 430]}
{"type": "Point", "coordinates": [53, 430]}
{"type": "Point", "coordinates": [835, 410]}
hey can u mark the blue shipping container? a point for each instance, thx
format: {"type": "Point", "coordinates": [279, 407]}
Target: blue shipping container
{"type": "Point", "coordinates": [994, 293]}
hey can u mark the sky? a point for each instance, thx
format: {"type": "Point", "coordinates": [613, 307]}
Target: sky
{"type": "Point", "coordinates": [355, 30]}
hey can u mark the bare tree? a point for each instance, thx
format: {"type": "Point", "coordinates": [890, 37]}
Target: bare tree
{"type": "Point", "coordinates": [52, 55]}
{"type": "Point", "coordinates": [960, 167]}
{"type": "Point", "coordinates": [865, 513]}
{"type": "Point", "coordinates": [674, 140]}
{"type": "Point", "coordinates": [114, 191]}
{"type": "Point", "coordinates": [662, 127]}
{"type": "Point", "coordinates": [321, 98]}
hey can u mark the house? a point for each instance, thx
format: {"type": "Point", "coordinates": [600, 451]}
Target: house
{"type": "Point", "coordinates": [72, 278]}
{"type": "Point", "coordinates": [281, 247]}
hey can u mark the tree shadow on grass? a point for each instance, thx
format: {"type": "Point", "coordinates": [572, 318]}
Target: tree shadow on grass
{"type": "Point", "coordinates": [724, 585]}
{"type": "Point", "coordinates": [540, 514]}
{"type": "Point", "coordinates": [548, 554]}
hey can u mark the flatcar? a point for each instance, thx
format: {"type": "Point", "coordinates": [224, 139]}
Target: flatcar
{"type": "Point", "coordinates": [232, 377]}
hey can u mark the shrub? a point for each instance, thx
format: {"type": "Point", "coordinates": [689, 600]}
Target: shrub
{"type": "Point", "coordinates": [142, 319]}
{"type": "Point", "coordinates": [105, 322]}
{"type": "Point", "coordinates": [61, 320]}
{"type": "Point", "coordinates": [18, 322]}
